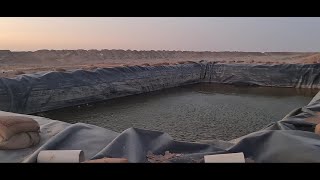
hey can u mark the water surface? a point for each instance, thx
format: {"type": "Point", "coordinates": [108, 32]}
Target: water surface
{"type": "Point", "coordinates": [194, 112]}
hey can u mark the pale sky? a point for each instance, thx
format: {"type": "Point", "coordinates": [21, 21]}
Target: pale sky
{"type": "Point", "coordinates": [161, 33]}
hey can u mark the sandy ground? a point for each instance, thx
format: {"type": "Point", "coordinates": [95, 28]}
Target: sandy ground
{"type": "Point", "coordinates": [16, 63]}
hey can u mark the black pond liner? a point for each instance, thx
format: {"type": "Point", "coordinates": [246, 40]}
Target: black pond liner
{"type": "Point", "coordinates": [39, 92]}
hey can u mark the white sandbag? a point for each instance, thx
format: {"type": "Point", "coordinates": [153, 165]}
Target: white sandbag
{"type": "Point", "coordinates": [225, 158]}
{"type": "Point", "coordinates": [317, 129]}
{"type": "Point", "coordinates": [21, 141]}
{"type": "Point", "coordinates": [12, 125]}
{"type": "Point", "coordinates": [61, 156]}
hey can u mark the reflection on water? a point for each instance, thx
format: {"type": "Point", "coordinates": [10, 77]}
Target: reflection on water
{"type": "Point", "coordinates": [193, 112]}
{"type": "Point", "coordinates": [209, 88]}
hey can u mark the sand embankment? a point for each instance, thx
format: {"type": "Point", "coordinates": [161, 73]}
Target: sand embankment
{"type": "Point", "coordinates": [15, 63]}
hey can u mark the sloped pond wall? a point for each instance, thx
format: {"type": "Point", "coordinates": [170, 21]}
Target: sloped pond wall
{"type": "Point", "coordinates": [52, 90]}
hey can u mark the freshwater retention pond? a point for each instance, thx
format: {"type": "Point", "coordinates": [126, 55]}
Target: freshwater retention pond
{"type": "Point", "coordinates": [191, 113]}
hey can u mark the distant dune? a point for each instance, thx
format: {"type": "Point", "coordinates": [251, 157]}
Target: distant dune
{"type": "Point", "coordinates": [14, 63]}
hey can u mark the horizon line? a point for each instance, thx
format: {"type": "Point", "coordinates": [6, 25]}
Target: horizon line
{"type": "Point", "coordinates": [8, 50]}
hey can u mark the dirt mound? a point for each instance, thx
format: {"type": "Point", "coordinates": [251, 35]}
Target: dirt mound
{"type": "Point", "coordinates": [56, 57]}
{"type": "Point", "coordinates": [313, 59]}
{"type": "Point", "coordinates": [63, 60]}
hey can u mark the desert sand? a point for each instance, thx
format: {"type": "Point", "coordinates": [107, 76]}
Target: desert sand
{"type": "Point", "coordinates": [13, 63]}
